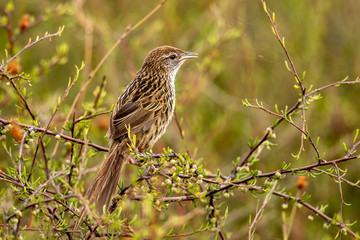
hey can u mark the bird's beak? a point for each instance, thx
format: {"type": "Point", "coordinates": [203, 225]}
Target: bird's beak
{"type": "Point", "coordinates": [188, 55]}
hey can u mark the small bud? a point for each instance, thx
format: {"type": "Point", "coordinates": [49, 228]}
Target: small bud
{"type": "Point", "coordinates": [299, 205]}
{"type": "Point", "coordinates": [226, 195]}
{"type": "Point", "coordinates": [145, 188]}
{"type": "Point", "coordinates": [268, 183]}
{"type": "Point", "coordinates": [14, 220]}
{"type": "Point", "coordinates": [172, 162]}
{"type": "Point", "coordinates": [344, 232]}
{"type": "Point", "coordinates": [271, 132]}
{"type": "Point", "coordinates": [310, 217]}
{"type": "Point", "coordinates": [213, 220]}
{"type": "Point", "coordinates": [2, 137]}
{"type": "Point", "coordinates": [35, 211]}
{"type": "Point", "coordinates": [326, 225]}
{"type": "Point", "coordinates": [31, 141]}
{"type": "Point", "coordinates": [7, 128]}
{"type": "Point", "coordinates": [244, 189]}
{"type": "Point", "coordinates": [32, 134]}
{"type": "Point", "coordinates": [132, 194]}
{"type": "Point", "coordinates": [284, 205]}
{"type": "Point", "coordinates": [57, 137]}
{"type": "Point", "coordinates": [168, 182]}
{"type": "Point", "coordinates": [68, 144]}
{"type": "Point", "coordinates": [278, 175]}
{"type": "Point", "coordinates": [26, 146]}
{"type": "Point", "coordinates": [18, 213]}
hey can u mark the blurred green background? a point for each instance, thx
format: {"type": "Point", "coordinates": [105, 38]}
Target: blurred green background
{"type": "Point", "coordinates": [239, 58]}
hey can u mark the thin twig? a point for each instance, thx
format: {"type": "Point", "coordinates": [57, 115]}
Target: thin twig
{"type": "Point", "coordinates": [67, 90]}
{"type": "Point", "coordinates": [67, 138]}
{"type": "Point", "coordinates": [260, 211]}
{"type": "Point", "coordinates": [340, 191]}
{"type": "Point", "coordinates": [30, 44]}
{"type": "Point", "coordinates": [91, 116]}
{"type": "Point", "coordinates": [21, 149]}
{"type": "Point", "coordinates": [334, 84]}
{"type": "Point", "coordinates": [27, 106]}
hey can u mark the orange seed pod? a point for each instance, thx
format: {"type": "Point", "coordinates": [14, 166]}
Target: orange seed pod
{"type": "Point", "coordinates": [302, 183]}
{"type": "Point", "coordinates": [13, 67]}
{"type": "Point", "coordinates": [17, 132]}
{"type": "Point", "coordinates": [24, 22]}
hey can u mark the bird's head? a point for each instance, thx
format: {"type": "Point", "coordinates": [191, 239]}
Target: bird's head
{"type": "Point", "coordinates": [167, 59]}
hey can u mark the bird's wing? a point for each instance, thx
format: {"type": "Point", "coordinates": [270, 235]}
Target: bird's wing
{"type": "Point", "coordinates": [134, 115]}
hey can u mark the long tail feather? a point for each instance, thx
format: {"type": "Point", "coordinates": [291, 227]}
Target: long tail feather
{"type": "Point", "coordinates": [105, 183]}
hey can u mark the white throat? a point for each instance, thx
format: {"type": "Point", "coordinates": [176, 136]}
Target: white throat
{"type": "Point", "coordinates": [173, 74]}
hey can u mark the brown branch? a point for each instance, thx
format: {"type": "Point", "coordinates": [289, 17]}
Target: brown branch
{"type": "Point", "coordinates": [101, 88]}
{"type": "Point", "coordinates": [91, 116]}
{"type": "Point", "coordinates": [68, 138]}
{"type": "Point", "coordinates": [67, 90]}
{"type": "Point", "coordinates": [340, 191]}
{"type": "Point", "coordinates": [259, 212]}
{"type": "Point", "coordinates": [337, 177]}
{"type": "Point", "coordinates": [343, 82]}
{"type": "Point", "coordinates": [265, 137]}
{"type": "Point", "coordinates": [30, 44]}
{"type": "Point", "coordinates": [292, 170]}
{"type": "Point", "coordinates": [301, 129]}
{"type": "Point", "coordinates": [27, 106]}
{"type": "Point", "coordinates": [311, 208]}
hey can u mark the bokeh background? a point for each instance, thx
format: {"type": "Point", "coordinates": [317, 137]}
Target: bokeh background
{"type": "Point", "coordinates": [239, 58]}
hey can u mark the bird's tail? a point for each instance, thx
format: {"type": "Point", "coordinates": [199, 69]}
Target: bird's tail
{"type": "Point", "coordinates": [105, 183]}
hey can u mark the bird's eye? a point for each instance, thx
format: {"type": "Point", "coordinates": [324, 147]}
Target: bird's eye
{"type": "Point", "coordinates": [172, 56]}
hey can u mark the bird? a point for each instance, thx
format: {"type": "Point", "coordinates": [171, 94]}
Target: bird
{"type": "Point", "coordinates": [145, 109]}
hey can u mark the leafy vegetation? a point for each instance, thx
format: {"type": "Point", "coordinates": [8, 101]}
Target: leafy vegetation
{"type": "Point", "coordinates": [263, 144]}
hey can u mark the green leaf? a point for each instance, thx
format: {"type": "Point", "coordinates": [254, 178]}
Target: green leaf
{"type": "Point", "coordinates": [345, 148]}
{"type": "Point", "coordinates": [356, 135]}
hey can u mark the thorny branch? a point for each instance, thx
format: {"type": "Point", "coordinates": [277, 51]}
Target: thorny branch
{"type": "Point", "coordinates": [30, 44]}
{"type": "Point", "coordinates": [60, 101]}
{"type": "Point", "coordinates": [63, 136]}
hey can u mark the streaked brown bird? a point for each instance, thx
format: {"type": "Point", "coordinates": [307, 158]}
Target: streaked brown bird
{"type": "Point", "coordinates": [146, 106]}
